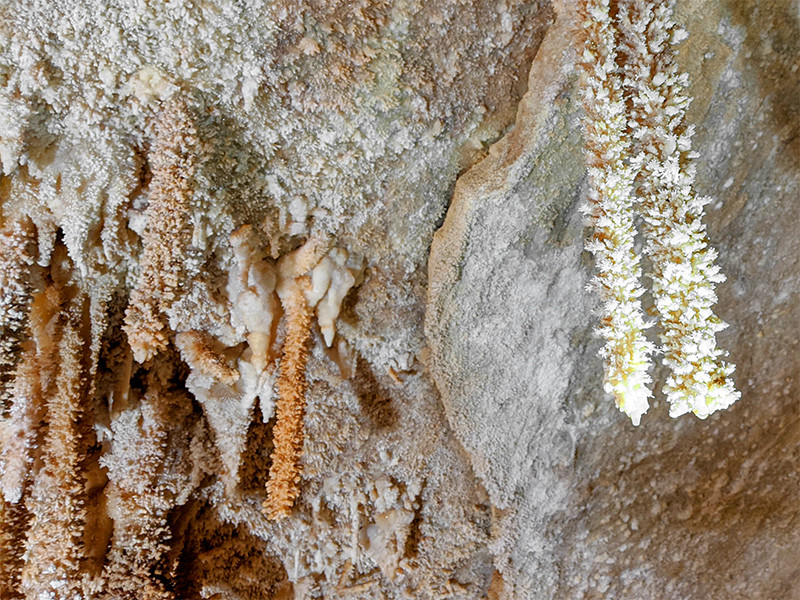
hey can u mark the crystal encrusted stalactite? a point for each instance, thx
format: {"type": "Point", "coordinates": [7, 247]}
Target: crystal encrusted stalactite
{"type": "Point", "coordinates": [16, 260]}
{"type": "Point", "coordinates": [683, 271]}
{"type": "Point", "coordinates": [55, 538]}
{"type": "Point", "coordinates": [610, 209]}
{"type": "Point", "coordinates": [149, 475]}
{"type": "Point", "coordinates": [641, 162]}
{"type": "Point", "coordinates": [12, 547]}
{"type": "Point", "coordinates": [167, 235]}
{"type": "Point", "coordinates": [284, 474]}
{"type": "Point", "coordinates": [293, 289]}
{"type": "Point", "coordinates": [308, 277]}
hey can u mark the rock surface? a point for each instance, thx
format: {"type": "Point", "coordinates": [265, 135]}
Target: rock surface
{"type": "Point", "coordinates": [588, 506]}
{"type": "Point", "coordinates": [476, 457]}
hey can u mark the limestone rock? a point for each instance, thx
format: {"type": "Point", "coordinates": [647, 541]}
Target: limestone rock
{"type": "Point", "coordinates": [457, 441]}
{"type": "Point", "coordinates": [587, 505]}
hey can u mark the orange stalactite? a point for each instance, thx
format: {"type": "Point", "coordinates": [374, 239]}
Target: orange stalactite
{"type": "Point", "coordinates": [284, 476]}
{"type": "Point", "coordinates": [12, 547]}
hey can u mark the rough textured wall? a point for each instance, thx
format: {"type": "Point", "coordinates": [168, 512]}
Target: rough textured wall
{"type": "Point", "coordinates": [587, 506]}
{"type": "Point", "coordinates": [172, 172]}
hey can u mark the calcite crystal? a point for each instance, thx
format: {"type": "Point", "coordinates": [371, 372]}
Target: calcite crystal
{"type": "Point", "coordinates": [178, 177]}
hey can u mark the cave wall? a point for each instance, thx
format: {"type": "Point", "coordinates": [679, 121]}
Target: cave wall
{"type": "Point", "coordinates": [457, 440]}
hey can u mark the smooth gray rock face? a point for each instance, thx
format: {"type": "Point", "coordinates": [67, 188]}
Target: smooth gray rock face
{"type": "Point", "coordinates": [587, 506]}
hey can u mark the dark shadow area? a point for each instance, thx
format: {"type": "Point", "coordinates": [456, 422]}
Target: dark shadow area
{"type": "Point", "coordinates": [220, 560]}
{"type": "Point", "coordinates": [374, 400]}
{"type": "Point", "coordinates": [256, 462]}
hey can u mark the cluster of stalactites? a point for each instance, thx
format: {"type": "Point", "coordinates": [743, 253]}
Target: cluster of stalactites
{"type": "Point", "coordinates": [259, 287]}
{"type": "Point", "coordinates": [51, 531]}
{"type": "Point", "coordinates": [44, 440]}
{"type": "Point", "coordinates": [641, 161]}
{"type": "Point", "coordinates": [310, 278]}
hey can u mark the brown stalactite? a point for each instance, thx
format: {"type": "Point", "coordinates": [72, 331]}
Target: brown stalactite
{"type": "Point", "coordinates": [167, 235]}
{"type": "Point", "coordinates": [55, 541]}
{"type": "Point", "coordinates": [284, 476]}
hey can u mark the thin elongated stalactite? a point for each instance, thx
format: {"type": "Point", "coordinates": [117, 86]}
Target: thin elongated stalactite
{"type": "Point", "coordinates": [284, 475]}
{"type": "Point", "coordinates": [684, 273]}
{"type": "Point", "coordinates": [20, 398]}
{"type": "Point", "coordinates": [18, 449]}
{"type": "Point", "coordinates": [55, 540]}
{"type": "Point", "coordinates": [16, 260]}
{"type": "Point", "coordinates": [20, 430]}
{"type": "Point", "coordinates": [21, 435]}
{"type": "Point", "coordinates": [626, 350]}
{"type": "Point", "coordinates": [12, 547]}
